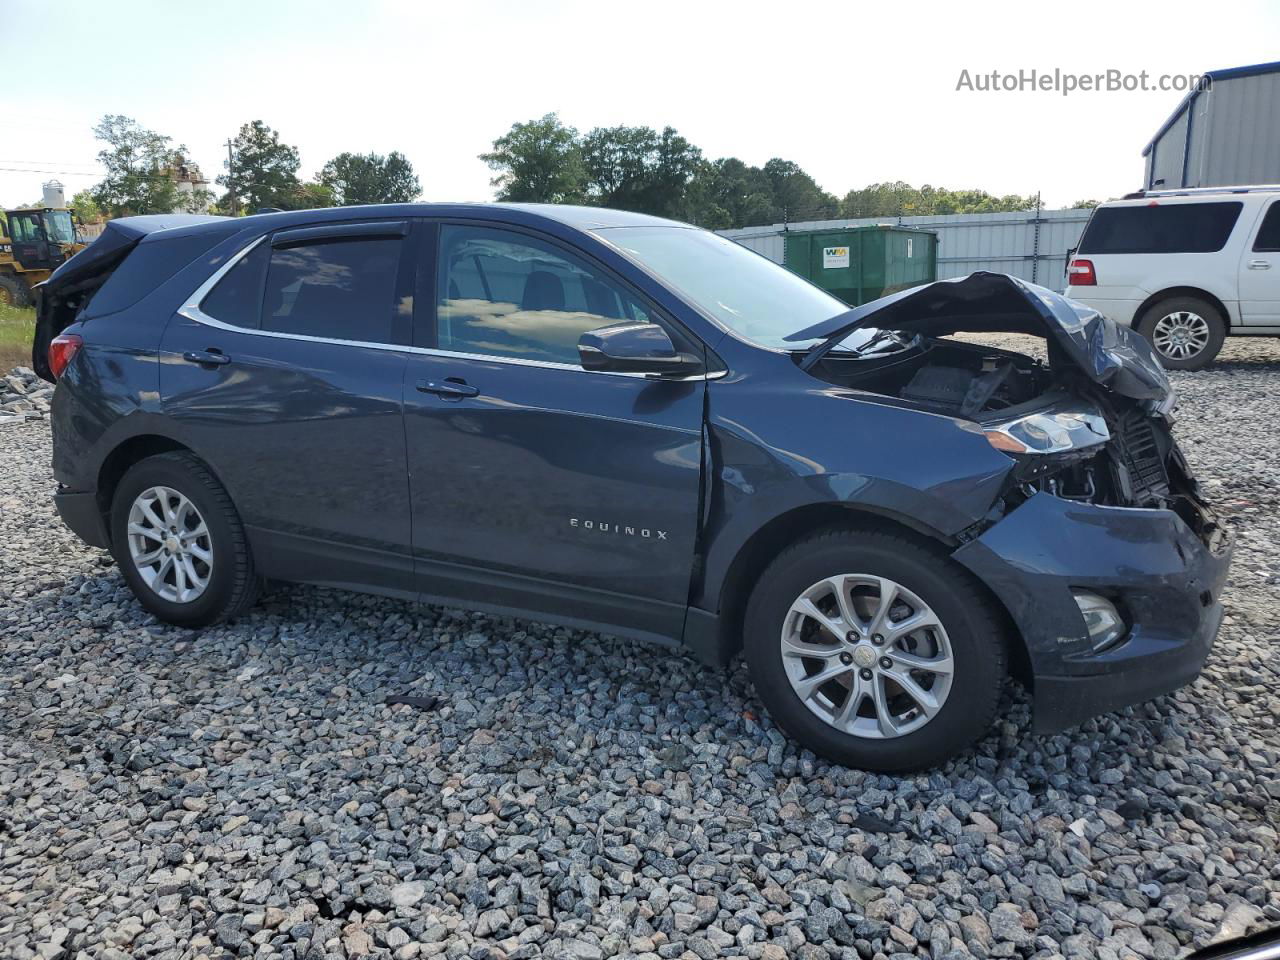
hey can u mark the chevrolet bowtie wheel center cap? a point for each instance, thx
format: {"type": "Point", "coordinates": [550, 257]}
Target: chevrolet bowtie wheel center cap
{"type": "Point", "coordinates": [864, 655]}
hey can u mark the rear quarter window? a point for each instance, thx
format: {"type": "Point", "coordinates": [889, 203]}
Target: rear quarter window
{"type": "Point", "coordinates": [1161, 228]}
{"type": "Point", "coordinates": [151, 263]}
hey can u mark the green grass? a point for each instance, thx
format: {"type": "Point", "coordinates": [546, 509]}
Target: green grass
{"type": "Point", "coordinates": [17, 327]}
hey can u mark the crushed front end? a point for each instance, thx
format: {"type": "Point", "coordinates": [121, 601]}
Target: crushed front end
{"type": "Point", "coordinates": [1100, 545]}
{"type": "Point", "coordinates": [1111, 565]}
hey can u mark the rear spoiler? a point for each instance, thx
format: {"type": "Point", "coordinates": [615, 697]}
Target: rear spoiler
{"type": "Point", "coordinates": [58, 300]}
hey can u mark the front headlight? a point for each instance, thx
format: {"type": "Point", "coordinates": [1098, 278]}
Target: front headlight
{"type": "Point", "coordinates": [1051, 431]}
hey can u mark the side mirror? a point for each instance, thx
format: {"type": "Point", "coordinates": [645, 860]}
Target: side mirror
{"type": "Point", "coordinates": [635, 348]}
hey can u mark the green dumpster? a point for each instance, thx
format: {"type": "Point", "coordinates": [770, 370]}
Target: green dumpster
{"type": "Point", "coordinates": [860, 264]}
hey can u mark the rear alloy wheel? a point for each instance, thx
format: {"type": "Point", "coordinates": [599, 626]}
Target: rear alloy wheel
{"type": "Point", "coordinates": [179, 542]}
{"type": "Point", "coordinates": [1187, 333]}
{"type": "Point", "coordinates": [13, 292]}
{"type": "Point", "coordinates": [875, 650]}
{"type": "Point", "coordinates": [169, 545]}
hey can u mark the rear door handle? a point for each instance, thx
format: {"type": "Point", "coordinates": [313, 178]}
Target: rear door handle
{"type": "Point", "coordinates": [210, 357]}
{"type": "Point", "coordinates": [1259, 264]}
{"type": "Point", "coordinates": [450, 389]}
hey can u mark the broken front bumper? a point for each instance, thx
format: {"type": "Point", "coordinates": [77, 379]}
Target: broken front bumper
{"type": "Point", "coordinates": [1163, 577]}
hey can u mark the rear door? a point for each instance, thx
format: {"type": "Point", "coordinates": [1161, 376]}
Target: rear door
{"type": "Point", "coordinates": [285, 374]}
{"type": "Point", "coordinates": [1260, 272]}
{"type": "Point", "coordinates": [537, 485]}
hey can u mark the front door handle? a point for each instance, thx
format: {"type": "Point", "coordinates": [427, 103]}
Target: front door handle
{"type": "Point", "coordinates": [210, 357]}
{"type": "Point", "coordinates": [1259, 264]}
{"type": "Point", "coordinates": [450, 389]}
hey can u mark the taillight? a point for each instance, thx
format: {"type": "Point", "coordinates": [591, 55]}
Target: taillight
{"type": "Point", "coordinates": [1080, 274]}
{"type": "Point", "coordinates": [61, 349]}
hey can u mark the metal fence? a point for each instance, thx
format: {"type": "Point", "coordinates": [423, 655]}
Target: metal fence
{"type": "Point", "coordinates": [1028, 244]}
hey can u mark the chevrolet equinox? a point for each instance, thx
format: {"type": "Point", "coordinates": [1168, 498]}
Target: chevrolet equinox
{"type": "Point", "coordinates": [626, 424]}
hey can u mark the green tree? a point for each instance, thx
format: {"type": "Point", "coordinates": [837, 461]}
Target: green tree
{"type": "Point", "coordinates": [899, 199]}
{"type": "Point", "coordinates": [537, 162]}
{"type": "Point", "coordinates": [85, 207]}
{"type": "Point", "coordinates": [1083, 205]}
{"type": "Point", "coordinates": [736, 195]}
{"type": "Point", "coordinates": [262, 171]}
{"type": "Point", "coordinates": [358, 178]}
{"type": "Point", "coordinates": [312, 196]}
{"type": "Point", "coordinates": [138, 162]}
{"type": "Point", "coordinates": [796, 195]}
{"type": "Point", "coordinates": [640, 169]}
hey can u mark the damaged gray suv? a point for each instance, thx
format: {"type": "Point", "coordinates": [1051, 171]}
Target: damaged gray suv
{"type": "Point", "coordinates": [626, 424]}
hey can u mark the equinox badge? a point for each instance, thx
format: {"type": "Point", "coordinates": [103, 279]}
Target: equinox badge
{"type": "Point", "coordinates": [618, 528]}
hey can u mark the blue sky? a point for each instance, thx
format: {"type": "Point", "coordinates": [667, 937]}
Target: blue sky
{"type": "Point", "coordinates": [854, 95]}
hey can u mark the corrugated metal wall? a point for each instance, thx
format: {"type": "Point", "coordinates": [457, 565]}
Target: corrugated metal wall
{"type": "Point", "coordinates": [1238, 140]}
{"type": "Point", "coordinates": [1022, 244]}
{"type": "Point", "coordinates": [1234, 133]}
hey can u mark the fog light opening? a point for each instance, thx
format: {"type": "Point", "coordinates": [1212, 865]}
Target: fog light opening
{"type": "Point", "coordinates": [1102, 620]}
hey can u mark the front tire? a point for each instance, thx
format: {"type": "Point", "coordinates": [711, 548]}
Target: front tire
{"type": "Point", "coordinates": [1186, 332]}
{"type": "Point", "coordinates": [875, 650]}
{"type": "Point", "coordinates": [179, 542]}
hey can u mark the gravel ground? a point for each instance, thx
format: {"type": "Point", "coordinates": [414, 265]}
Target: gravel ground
{"type": "Point", "coordinates": [248, 791]}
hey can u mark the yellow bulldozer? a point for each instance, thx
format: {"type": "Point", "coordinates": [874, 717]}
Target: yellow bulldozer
{"type": "Point", "coordinates": [36, 241]}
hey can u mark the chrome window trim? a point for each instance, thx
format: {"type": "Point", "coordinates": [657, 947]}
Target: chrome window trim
{"type": "Point", "coordinates": [192, 311]}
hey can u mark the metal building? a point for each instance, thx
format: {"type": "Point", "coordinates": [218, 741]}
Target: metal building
{"type": "Point", "coordinates": [1029, 244]}
{"type": "Point", "coordinates": [1225, 133]}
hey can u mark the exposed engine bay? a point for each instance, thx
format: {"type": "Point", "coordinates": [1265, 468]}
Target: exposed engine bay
{"type": "Point", "coordinates": [1069, 437]}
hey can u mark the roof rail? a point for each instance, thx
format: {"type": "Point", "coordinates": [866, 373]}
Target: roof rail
{"type": "Point", "coordinates": [1197, 191]}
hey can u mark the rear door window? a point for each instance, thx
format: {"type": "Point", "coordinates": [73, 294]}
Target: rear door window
{"type": "Point", "coordinates": [335, 289]}
{"type": "Point", "coordinates": [1161, 228]}
{"type": "Point", "coordinates": [1268, 239]}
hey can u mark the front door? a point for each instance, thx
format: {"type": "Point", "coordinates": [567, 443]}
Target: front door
{"type": "Point", "coordinates": [287, 379]}
{"type": "Point", "coordinates": [535, 484]}
{"type": "Point", "coordinates": [1260, 273]}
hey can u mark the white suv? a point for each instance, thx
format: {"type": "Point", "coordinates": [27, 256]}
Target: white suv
{"type": "Point", "coordinates": [1186, 267]}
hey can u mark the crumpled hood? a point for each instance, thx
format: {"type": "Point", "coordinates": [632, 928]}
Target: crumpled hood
{"type": "Point", "coordinates": [1113, 356]}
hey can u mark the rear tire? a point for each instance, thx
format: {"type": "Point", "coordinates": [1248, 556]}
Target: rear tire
{"type": "Point", "coordinates": [936, 712]}
{"type": "Point", "coordinates": [13, 292]}
{"type": "Point", "coordinates": [1186, 332]}
{"type": "Point", "coordinates": [190, 565]}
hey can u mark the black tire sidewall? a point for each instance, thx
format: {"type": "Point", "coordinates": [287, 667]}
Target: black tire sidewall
{"type": "Point", "coordinates": [977, 645]}
{"type": "Point", "coordinates": [21, 294]}
{"type": "Point", "coordinates": [173, 472]}
{"type": "Point", "coordinates": [1207, 311]}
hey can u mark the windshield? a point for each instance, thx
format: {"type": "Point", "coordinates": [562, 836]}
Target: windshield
{"type": "Point", "coordinates": [58, 225]}
{"type": "Point", "coordinates": [744, 292]}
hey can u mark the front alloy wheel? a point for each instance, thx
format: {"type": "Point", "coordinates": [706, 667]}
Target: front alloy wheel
{"type": "Point", "coordinates": [867, 656]}
{"type": "Point", "coordinates": [875, 649]}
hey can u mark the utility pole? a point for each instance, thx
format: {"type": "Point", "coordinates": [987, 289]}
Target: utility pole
{"type": "Point", "coordinates": [231, 180]}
